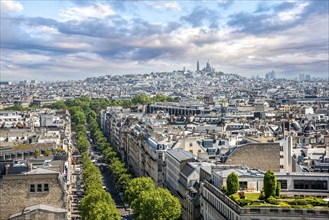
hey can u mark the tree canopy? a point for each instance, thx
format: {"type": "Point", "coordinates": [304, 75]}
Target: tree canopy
{"type": "Point", "coordinates": [151, 203]}
{"type": "Point", "coordinates": [232, 183]}
{"type": "Point", "coordinates": [270, 184]}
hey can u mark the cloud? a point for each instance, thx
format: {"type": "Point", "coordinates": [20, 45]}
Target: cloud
{"type": "Point", "coordinates": [273, 18]}
{"type": "Point", "coordinates": [172, 6]}
{"type": "Point", "coordinates": [169, 5]}
{"type": "Point", "coordinates": [10, 6]}
{"type": "Point", "coordinates": [201, 16]}
{"type": "Point", "coordinates": [281, 36]}
{"type": "Point", "coordinates": [98, 11]}
{"type": "Point", "coordinates": [225, 4]}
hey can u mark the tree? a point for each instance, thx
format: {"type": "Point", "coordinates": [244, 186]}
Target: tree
{"type": "Point", "coordinates": [156, 204]}
{"type": "Point", "coordinates": [83, 144]}
{"type": "Point", "coordinates": [136, 186]}
{"type": "Point", "coordinates": [232, 183]}
{"type": "Point", "coordinates": [278, 189]}
{"type": "Point", "coordinates": [98, 205]}
{"type": "Point", "coordinates": [124, 180]}
{"type": "Point", "coordinates": [78, 117]}
{"type": "Point", "coordinates": [140, 99]}
{"type": "Point", "coordinates": [270, 184]}
{"type": "Point", "coordinates": [58, 105]}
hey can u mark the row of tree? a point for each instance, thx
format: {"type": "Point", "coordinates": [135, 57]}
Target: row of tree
{"type": "Point", "coordinates": [97, 105]}
{"type": "Point", "coordinates": [97, 203]}
{"type": "Point", "coordinates": [119, 172]}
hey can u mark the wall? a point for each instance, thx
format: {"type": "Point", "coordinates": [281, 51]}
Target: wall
{"type": "Point", "coordinates": [264, 156]}
{"type": "Point", "coordinates": [15, 193]}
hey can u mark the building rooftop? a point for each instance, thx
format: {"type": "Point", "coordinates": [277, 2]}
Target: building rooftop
{"type": "Point", "coordinates": [180, 154]}
{"type": "Point", "coordinates": [40, 207]}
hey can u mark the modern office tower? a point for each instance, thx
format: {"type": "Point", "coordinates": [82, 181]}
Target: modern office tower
{"type": "Point", "coordinates": [197, 66]}
{"type": "Point", "coordinates": [301, 77]}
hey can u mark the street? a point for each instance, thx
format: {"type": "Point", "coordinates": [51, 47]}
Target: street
{"type": "Point", "coordinates": [109, 183]}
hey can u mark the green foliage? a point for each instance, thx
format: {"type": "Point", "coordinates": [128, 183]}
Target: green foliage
{"type": "Point", "coordinates": [244, 202]}
{"type": "Point", "coordinates": [49, 152]}
{"type": "Point", "coordinates": [308, 201]}
{"type": "Point", "coordinates": [235, 197]}
{"type": "Point", "coordinates": [57, 105]}
{"type": "Point", "coordinates": [157, 204]}
{"type": "Point", "coordinates": [232, 183]}
{"type": "Point", "coordinates": [272, 200]}
{"type": "Point", "coordinates": [83, 144]}
{"type": "Point", "coordinates": [317, 202]}
{"type": "Point", "coordinates": [262, 195]}
{"type": "Point", "coordinates": [59, 149]}
{"type": "Point", "coordinates": [78, 117]}
{"type": "Point", "coordinates": [117, 168]}
{"type": "Point", "coordinates": [270, 184]}
{"type": "Point", "coordinates": [123, 181]}
{"type": "Point", "coordinates": [284, 205]}
{"type": "Point", "coordinates": [138, 185]}
{"type": "Point", "coordinates": [278, 189]}
{"type": "Point", "coordinates": [140, 99]}
{"type": "Point", "coordinates": [98, 206]}
{"type": "Point", "coordinates": [224, 189]}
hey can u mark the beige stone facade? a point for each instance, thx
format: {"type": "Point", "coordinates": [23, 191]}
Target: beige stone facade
{"type": "Point", "coordinates": [15, 192]}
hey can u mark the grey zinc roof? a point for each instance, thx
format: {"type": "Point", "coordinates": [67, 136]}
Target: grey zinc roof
{"type": "Point", "coordinates": [180, 154]}
{"type": "Point", "coordinates": [41, 171]}
{"type": "Point", "coordinates": [187, 170]}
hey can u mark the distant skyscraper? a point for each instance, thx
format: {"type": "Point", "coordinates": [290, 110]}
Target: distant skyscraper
{"type": "Point", "coordinates": [308, 78]}
{"type": "Point", "coordinates": [270, 75]}
{"type": "Point", "coordinates": [197, 66]}
{"type": "Point", "coordinates": [301, 77]}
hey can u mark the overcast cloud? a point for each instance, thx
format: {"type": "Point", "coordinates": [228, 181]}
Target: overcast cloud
{"type": "Point", "coordinates": [88, 38]}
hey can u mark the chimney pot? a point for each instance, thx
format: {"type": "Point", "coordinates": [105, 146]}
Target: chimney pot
{"type": "Point", "coordinates": [7, 169]}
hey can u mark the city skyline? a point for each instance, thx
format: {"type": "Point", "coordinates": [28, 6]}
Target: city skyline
{"type": "Point", "coordinates": [60, 40]}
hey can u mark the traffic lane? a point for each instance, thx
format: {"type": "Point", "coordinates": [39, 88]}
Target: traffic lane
{"type": "Point", "coordinates": [110, 187]}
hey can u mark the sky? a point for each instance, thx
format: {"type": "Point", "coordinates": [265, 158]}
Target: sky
{"type": "Point", "coordinates": [74, 39]}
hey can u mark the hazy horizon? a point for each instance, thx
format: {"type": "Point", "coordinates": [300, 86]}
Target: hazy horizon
{"type": "Point", "coordinates": [73, 40]}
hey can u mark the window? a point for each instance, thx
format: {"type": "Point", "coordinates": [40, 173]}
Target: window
{"type": "Point", "coordinates": [243, 185]}
{"type": "Point", "coordinates": [281, 156]}
{"type": "Point", "coordinates": [283, 184]}
{"type": "Point", "coordinates": [281, 166]}
{"type": "Point", "coordinates": [45, 187]}
{"type": "Point", "coordinates": [191, 144]}
{"type": "Point", "coordinates": [281, 148]}
{"type": "Point", "coordinates": [32, 188]}
{"type": "Point", "coordinates": [39, 189]}
{"type": "Point", "coordinates": [311, 184]}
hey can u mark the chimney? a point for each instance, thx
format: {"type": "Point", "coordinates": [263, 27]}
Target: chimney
{"type": "Point", "coordinates": [30, 167]}
{"type": "Point", "coordinates": [7, 169]}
